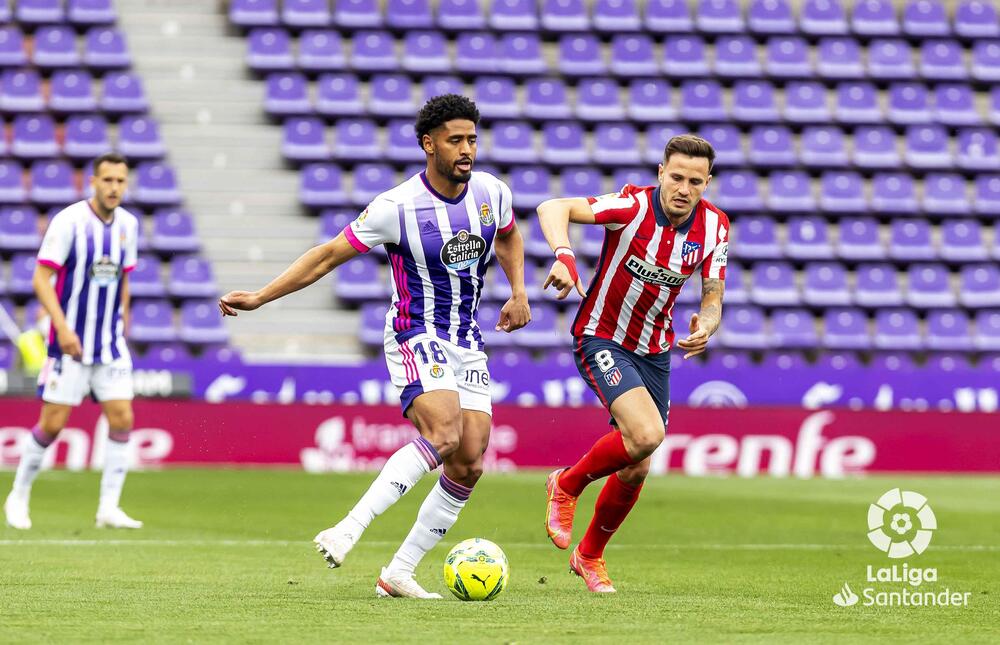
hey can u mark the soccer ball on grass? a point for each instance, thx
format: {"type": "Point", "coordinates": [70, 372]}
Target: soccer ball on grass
{"type": "Point", "coordinates": [476, 569]}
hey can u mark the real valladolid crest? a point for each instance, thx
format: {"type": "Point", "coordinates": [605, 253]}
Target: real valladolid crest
{"type": "Point", "coordinates": [901, 524]}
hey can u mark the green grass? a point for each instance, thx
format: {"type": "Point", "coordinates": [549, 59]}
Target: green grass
{"type": "Point", "coordinates": [227, 556]}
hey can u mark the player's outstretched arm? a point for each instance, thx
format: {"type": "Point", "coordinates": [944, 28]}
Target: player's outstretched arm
{"type": "Point", "coordinates": [41, 280]}
{"type": "Point", "coordinates": [705, 322]}
{"type": "Point", "coordinates": [516, 313]}
{"type": "Point", "coordinates": [554, 217]}
{"type": "Point", "coordinates": [310, 267]}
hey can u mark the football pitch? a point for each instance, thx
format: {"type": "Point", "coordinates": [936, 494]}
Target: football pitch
{"type": "Point", "coordinates": [227, 556]}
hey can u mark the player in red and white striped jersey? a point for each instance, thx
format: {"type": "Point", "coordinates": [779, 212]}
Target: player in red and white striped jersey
{"type": "Point", "coordinates": [657, 237]}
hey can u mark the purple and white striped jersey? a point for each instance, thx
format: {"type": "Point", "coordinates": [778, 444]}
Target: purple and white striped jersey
{"type": "Point", "coordinates": [90, 258]}
{"type": "Point", "coordinates": [439, 250]}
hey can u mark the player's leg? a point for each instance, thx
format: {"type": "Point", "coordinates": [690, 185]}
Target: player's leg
{"type": "Point", "coordinates": [111, 385]}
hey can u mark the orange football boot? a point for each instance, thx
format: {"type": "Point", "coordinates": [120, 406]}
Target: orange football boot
{"type": "Point", "coordinates": [559, 512]}
{"type": "Point", "coordinates": [593, 571]}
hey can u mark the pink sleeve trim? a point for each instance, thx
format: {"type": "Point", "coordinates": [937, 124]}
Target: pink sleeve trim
{"type": "Point", "coordinates": [129, 269]}
{"type": "Point", "coordinates": [50, 264]}
{"type": "Point", "coordinates": [358, 245]}
{"type": "Point", "coordinates": [506, 229]}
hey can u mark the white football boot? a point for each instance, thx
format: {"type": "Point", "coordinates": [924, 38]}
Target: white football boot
{"type": "Point", "coordinates": [116, 518]}
{"type": "Point", "coordinates": [401, 586]}
{"type": "Point", "coordinates": [16, 510]}
{"type": "Point", "coordinates": [335, 543]}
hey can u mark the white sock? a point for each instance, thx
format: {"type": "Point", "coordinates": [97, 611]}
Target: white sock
{"type": "Point", "coordinates": [402, 470]}
{"type": "Point", "coordinates": [116, 453]}
{"type": "Point", "coordinates": [31, 462]}
{"type": "Point", "coordinates": [436, 516]}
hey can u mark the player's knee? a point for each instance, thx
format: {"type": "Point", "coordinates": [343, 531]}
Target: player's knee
{"type": "Point", "coordinates": [468, 474]}
{"type": "Point", "coordinates": [635, 474]}
{"type": "Point", "coordinates": [645, 441]}
{"type": "Point", "coordinates": [445, 437]}
{"type": "Point", "coordinates": [121, 420]}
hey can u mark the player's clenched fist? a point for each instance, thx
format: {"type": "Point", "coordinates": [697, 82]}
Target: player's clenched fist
{"type": "Point", "coordinates": [516, 313]}
{"type": "Point", "coordinates": [563, 274]}
{"type": "Point", "coordinates": [238, 300]}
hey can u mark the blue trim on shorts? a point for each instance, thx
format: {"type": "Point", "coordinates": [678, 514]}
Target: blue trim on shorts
{"type": "Point", "coordinates": [410, 392]}
{"type": "Point", "coordinates": [626, 371]}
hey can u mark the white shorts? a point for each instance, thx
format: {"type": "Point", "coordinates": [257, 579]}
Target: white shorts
{"type": "Point", "coordinates": [425, 363]}
{"type": "Point", "coordinates": [65, 381]}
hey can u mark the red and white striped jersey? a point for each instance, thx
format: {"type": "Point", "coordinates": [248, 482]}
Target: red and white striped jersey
{"type": "Point", "coordinates": [643, 266]}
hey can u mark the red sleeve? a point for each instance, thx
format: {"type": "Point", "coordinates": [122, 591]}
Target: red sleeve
{"type": "Point", "coordinates": [615, 208]}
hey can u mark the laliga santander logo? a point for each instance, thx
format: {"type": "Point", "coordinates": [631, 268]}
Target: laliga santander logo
{"type": "Point", "coordinates": [901, 523]}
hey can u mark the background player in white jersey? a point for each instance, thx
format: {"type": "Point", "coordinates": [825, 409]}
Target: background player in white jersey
{"type": "Point", "coordinates": [440, 229]}
{"type": "Point", "coordinates": [82, 282]}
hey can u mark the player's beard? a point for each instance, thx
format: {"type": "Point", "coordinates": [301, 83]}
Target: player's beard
{"type": "Point", "coordinates": [452, 172]}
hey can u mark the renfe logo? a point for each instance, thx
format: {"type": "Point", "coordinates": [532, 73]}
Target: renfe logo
{"type": "Point", "coordinates": [722, 454]}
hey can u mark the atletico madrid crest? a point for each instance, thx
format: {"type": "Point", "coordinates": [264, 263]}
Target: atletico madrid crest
{"type": "Point", "coordinates": [613, 377]}
{"type": "Point", "coordinates": [691, 252]}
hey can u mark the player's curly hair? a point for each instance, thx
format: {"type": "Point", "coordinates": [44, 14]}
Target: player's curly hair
{"type": "Point", "coordinates": [441, 109]}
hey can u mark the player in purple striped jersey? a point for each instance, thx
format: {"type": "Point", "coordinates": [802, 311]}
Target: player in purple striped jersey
{"type": "Point", "coordinates": [82, 282]}
{"type": "Point", "coordinates": [441, 229]}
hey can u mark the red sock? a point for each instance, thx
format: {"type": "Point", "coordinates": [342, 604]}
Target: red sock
{"type": "Point", "coordinates": [606, 456]}
{"type": "Point", "coordinates": [613, 504]}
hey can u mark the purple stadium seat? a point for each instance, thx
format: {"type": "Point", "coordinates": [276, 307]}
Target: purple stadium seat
{"type": "Point", "coordinates": [633, 55]}
{"type": "Point", "coordinates": [22, 268]}
{"type": "Point", "coordinates": [19, 229]}
{"type": "Point", "coordinates": [893, 361]}
{"type": "Point", "coordinates": [599, 100]}
{"type": "Point", "coordinates": [736, 286]}
{"type": "Point", "coordinates": [460, 15]}
{"type": "Point", "coordinates": [985, 64]}
{"type": "Point", "coordinates": [702, 101]}
{"type": "Point", "coordinates": [582, 182]}
{"type": "Point", "coordinates": [86, 137]}
{"type": "Point", "coordinates": [927, 147]}
{"type": "Point", "coordinates": [564, 15]}
{"type": "Point", "coordinates": [790, 192]}
{"type": "Point", "coordinates": [771, 17]}
{"type": "Point", "coordinates": [336, 95]}
{"type": "Point", "coordinates": [254, 13]}
{"type": "Point", "coordinates": [668, 16]}
{"type": "Point", "coordinates": [105, 48]}
{"type": "Point", "coordinates": [727, 143]}
{"type": "Point", "coordinates": [739, 191]}
{"type": "Point", "coordinates": [21, 91]}
{"type": "Point", "coordinates": [55, 46]}
{"type": "Point", "coordinates": [875, 147]}
{"type": "Point", "coordinates": [858, 103]}
{"type": "Point", "coordinates": [650, 100]}
{"type": "Point", "coordinates": [874, 18]}
{"type": "Point", "coordinates": [757, 236]}
{"type": "Point", "coordinates": [910, 241]}
{"type": "Point", "coordinates": [717, 359]}
{"type": "Point", "coordinates": [38, 12]}
{"type": "Point", "coordinates": [616, 16]}
{"type": "Point", "coordinates": [139, 138]}
{"type": "Point", "coordinates": [546, 98]}
{"type": "Point", "coordinates": [191, 277]}
{"type": "Point", "coordinates": [201, 324]}
{"type": "Point", "coordinates": [373, 51]}
{"type": "Point", "coordinates": [808, 239]}
{"type": "Point", "coordinates": [401, 141]}
{"type": "Point", "coordinates": [373, 322]}
{"type": "Point", "coordinates": [823, 18]}
{"type": "Point", "coordinates": [685, 56]}
{"type": "Point", "coordinates": [719, 17]}
{"type": "Point", "coordinates": [409, 14]}
{"type": "Point", "coordinates": [657, 137]}
{"type": "Point", "coordinates": [332, 221]}
{"type": "Point", "coordinates": [513, 15]}
{"type": "Point", "coordinates": [476, 53]}
{"type": "Point", "coordinates": [956, 105]}
{"type": "Point", "coordinates": [357, 14]}
{"type": "Point", "coordinates": [842, 192]}
{"type": "Point", "coordinates": [805, 102]}
{"type": "Point", "coordinates": [152, 322]}
{"type": "Point", "coordinates": [825, 285]}
{"type": "Point", "coordinates": [155, 184]}
{"type": "Point", "coordinates": [894, 193]}
{"type": "Point", "coordinates": [891, 58]}
{"type": "Point", "coordinates": [823, 147]}
{"type": "Point", "coordinates": [736, 57]}
{"type": "Point", "coordinates": [978, 149]}
{"type": "Point", "coordinates": [34, 137]}
{"type": "Point", "coordinates": [269, 49]}
{"type": "Point", "coordinates": [927, 286]}
{"type": "Point", "coordinates": [897, 329]}
{"type": "Point", "coordinates": [90, 12]}
{"type": "Point", "coordinates": [987, 198]}
{"type": "Point", "coordinates": [987, 336]}
{"type": "Point", "coordinates": [787, 57]}
{"type": "Point", "coordinates": [859, 239]}
{"type": "Point", "coordinates": [123, 93]}
{"type": "Point", "coordinates": [949, 330]}
{"type": "Point", "coordinates": [12, 53]}
{"type": "Point", "coordinates": [11, 183]}
{"type": "Point", "coordinates": [845, 328]}
{"type": "Point", "coordinates": [923, 18]}
{"type": "Point", "coordinates": [839, 58]}
{"type": "Point", "coordinates": [304, 139]}
{"type": "Point", "coordinates": [496, 97]}
{"type": "Point", "coordinates": [145, 281]}
{"type": "Point", "coordinates": [531, 185]}
{"type": "Point", "coordinates": [522, 54]}
{"type": "Point", "coordinates": [773, 284]}
{"type": "Point", "coordinates": [72, 90]}
{"type": "Point", "coordinates": [754, 102]}
{"type": "Point", "coordinates": [945, 194]}
{"type": "Point", "coordinates": [942, 60]}
{"type": "Point", "coordinates": [743, 327]}
{"type": "Point", "coordinates": [52, 183]}
{"type": "Point", "coordinates": [771, 146]}
{"type": "Point", "coordinates": [305, 13]}
{"type": "Point", "coordinates": [322, 185]}
{"type": "Point", "coordinates": [547, 332]}
{"type": "Point", "coordinates": [439, 85]}
{"type": "Point", "coordinates": [512, 142]}
{"type": "Point", "coordinates": [370, 180]}
{"type": "Point", "coordinates": [321, 50]}
{"type": "Point", "coordinates": [580, 55]}
{"type": "Point", "coordinates": [976, 19]}
{"type": "Point", "coordinates": [793, 328]}
{"type": "Point", "coordinates": [909, 103]}
{"type": "Point", "coordinates": [425, 52]}
{"type": "Point", "coordinates": [391, 95]}
{"type": "Point", "coordinates": [173, 232]}
{"type": "Point", "coordinates": [618, 144]}
{"type": "Point", "coordinates": [980, 286]}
